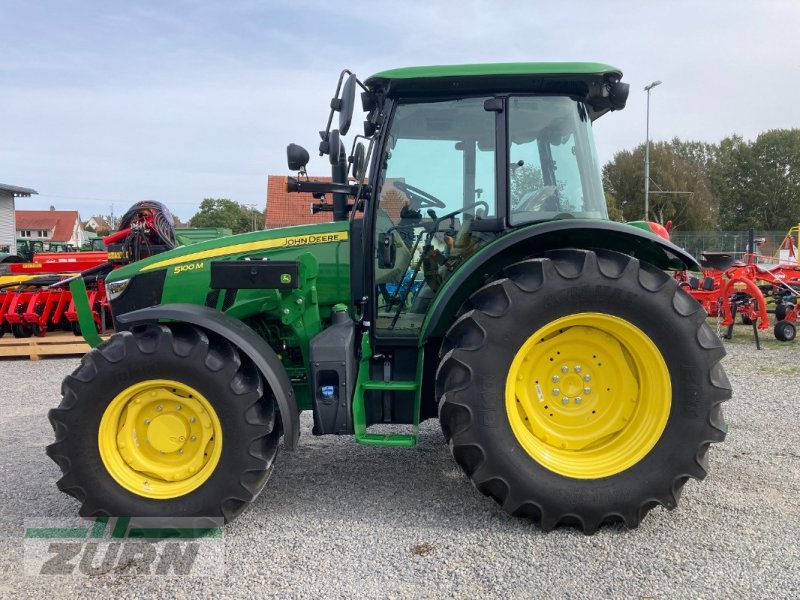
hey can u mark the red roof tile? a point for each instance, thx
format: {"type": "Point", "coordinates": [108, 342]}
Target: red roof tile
{"type": "Point", "coordinates": [285, 209]}
{"type": "Point", "coordinates": [62, 222]}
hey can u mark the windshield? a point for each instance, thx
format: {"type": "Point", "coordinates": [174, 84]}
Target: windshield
{"type": "Point", "coordinates": [553, 168]}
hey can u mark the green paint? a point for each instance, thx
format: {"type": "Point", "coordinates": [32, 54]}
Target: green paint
{"type": "Point", "coordinates": [85, 318]}
{"type": "Point", "coordinates": [56, 532]}
{"type": "Point", "coordinates": [161, 533]}
{"type": "Point", "coordinates": [364, 383]}
{"type": "Point", "coordinates": [99, 527]}
{"type": "Point", "coordinates": [496, 69]}
{"type": "Point", "coordinates": [121, 527]}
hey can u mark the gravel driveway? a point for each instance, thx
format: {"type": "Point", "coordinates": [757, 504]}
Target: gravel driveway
{"type": "Point", "coordinates": [337, 519]}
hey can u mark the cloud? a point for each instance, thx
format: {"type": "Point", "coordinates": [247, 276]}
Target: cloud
{"type": "Point", "coordinates": [183, 100]}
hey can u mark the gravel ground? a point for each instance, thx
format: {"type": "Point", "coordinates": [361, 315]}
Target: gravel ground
{"type": "Point", "coordinates": [338, 519]}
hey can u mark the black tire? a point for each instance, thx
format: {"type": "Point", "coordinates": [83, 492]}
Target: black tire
{"type": "Point", "coordinates": [746, 320]}
{"type": "Point", "coordinates": [785, 331]}
{"type": "Point", "coordinates": [21, 330]}
{"type": "Point", "coordinates": [189, 355]}
{"type": "Point", "coordinates": [76, 328]}
{"type": "Point", "coordinates": [782, 309]}
{"type": "Point", "coordinates": [479, 348]}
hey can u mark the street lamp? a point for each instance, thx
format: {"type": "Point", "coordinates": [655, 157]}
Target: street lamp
{"type": "Point", "coordinates": [647, 89]}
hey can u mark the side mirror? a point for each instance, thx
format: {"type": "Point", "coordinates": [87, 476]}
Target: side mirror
{"type": "Point", "coordinates": [346, 103]}
{"type": "Point", "coordinates": [387, 253]}
{"type": "Point", "coordinates": [297, 157]}
{"type": "Point", "coordinates": [358, 161]}
{"type": "Point", "coordinates": [619, 95]}
{"type": "Point", "coordinates": [334, 147]}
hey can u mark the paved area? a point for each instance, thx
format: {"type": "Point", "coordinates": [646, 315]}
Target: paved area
{"type": "Point", "coordinates": [339, 520]}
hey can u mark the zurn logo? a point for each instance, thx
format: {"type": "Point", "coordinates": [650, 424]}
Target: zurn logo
{"type": "Point", "coordinates": [124, 546]}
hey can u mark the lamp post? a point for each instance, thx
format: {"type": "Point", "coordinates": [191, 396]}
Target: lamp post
{"type": "Point", "coordinates": [647, 89]}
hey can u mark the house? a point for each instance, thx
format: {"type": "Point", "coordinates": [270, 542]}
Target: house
{"type": "Point", "coordinates": [285, 209]}
{"type": "Point", "coordinates": [98, 223]}
{"type": "Point", "coordinates": [51, 226]}
{"type": "Point", "coordinates": [8, 238]}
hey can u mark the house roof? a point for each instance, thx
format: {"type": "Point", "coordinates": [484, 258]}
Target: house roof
{"type": "Point", "coordinates": [285, 209]}
{"type": "Point", "coordinates": [16, 190]}
{"type": "Point", "coordinates": [62, 222]}
{"type": "Point", "coordinates": [101, 221]}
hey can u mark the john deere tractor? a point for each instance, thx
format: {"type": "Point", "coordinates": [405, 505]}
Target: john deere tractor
{"type": "Point", "coordinates": [469, 273]}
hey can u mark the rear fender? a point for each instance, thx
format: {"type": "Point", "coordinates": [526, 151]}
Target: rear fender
{"type": "Point", "coordinates": [534, 240]}
{"type": "Point", "coordinates": [241, 336]}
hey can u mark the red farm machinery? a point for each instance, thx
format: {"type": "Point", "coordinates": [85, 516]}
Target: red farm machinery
{"type": "Point", "coordinates": [35, 296]}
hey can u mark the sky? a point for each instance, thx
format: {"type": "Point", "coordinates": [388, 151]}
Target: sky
{"type": "Point", "coordinates": [104, 103]}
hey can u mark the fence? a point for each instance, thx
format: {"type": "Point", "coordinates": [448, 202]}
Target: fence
{"type": "Point", "coordinates": [735, 242]}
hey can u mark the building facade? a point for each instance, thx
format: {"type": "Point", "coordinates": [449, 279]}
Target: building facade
{"type": "Point", "coordinates": [8, 194]}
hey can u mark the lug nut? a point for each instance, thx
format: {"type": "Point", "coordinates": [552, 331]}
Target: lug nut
{"type": "Point", "coordinates": [556, 391]}
{"type": "Point", "coordinates": [587, 377]}
{"type": "Point", "coordinates": [587, 390]}
{"type": "Point", "coordinates": [180, 451]}
{"type": "Point", "coordinates": [565, 400]}
{"type": "Point", "coordinates": [192, 419]}
{"type": "Point", "coordinates": [159, 408]}
{"type": "Point", "coordinates": [578, 400]}
{"type": "Point", "coordinates": [577, 368]}
{"type": "Point", "coordinates": [556, 378]}
{"type": "Point", "coordinates": [565, 369]}
{"type": "Point", "coordinates": [147, 421]}
{"type": "Point", "coordinates": [178, 407]}
{"type": "Point", "coordinates": [193, 438]}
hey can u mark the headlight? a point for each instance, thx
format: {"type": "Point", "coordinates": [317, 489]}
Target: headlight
{"type": "Point", "coordinates": [115, 288]}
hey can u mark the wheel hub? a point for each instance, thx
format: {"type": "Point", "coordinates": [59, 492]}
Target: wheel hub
{"type": "Point", "coordinates": [160, 438]}
{"type": "Point", "coordinates": [576, 390]}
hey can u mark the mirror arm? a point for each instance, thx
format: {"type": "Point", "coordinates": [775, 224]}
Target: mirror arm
{"type": "Point", "coordinates": [295, 185]}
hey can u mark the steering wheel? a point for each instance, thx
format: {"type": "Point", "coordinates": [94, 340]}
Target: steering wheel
{"type": "Point", "coordinates": [536, 200]}
{"type": "Point", "coordinates": [419, 198]}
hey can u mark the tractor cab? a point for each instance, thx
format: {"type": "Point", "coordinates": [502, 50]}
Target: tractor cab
{"type": "Point", "coordinates": [458, 157]}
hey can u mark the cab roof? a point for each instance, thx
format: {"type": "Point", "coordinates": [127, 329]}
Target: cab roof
{"type": "Point", "coordinates": [590, 81]}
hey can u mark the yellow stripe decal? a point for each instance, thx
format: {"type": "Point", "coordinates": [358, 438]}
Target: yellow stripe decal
{"type": "Point", "coordinates": [286, 242]}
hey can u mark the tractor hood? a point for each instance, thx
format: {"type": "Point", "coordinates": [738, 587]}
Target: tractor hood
{"type": "Point", "coordinates": [239, 247]}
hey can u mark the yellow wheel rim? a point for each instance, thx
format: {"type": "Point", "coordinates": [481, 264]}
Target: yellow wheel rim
{"type": "Point", "coordinates": [160, 439]}
{"type": "Point", "coordinates": [588, 395]}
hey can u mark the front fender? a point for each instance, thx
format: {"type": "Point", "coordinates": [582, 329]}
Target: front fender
{"type": "Point", "coordinates": [241, 336]}
{"type": "Point", "coordinates": [533, 240]}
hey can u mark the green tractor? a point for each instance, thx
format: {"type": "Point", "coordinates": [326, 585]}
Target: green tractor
{"type": "Point", "coordinates": [470, 274]}
{"type": "Point", "coordinates": [26, 248]}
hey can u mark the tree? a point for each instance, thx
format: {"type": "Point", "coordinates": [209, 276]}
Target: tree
{"type": "Point", "coordinates": [758, 182]}
{"type": "Point", "coordinates": [675, 166]}
{"type": "Point", "coordinates": [222, 212]}
{"type": "Point", "coordinates": [524, 179]}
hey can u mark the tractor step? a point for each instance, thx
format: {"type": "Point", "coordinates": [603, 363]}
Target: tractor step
{"type": "Point", "coordinates": [387, 439]}
{"type": "Point", "coordinates": [397, 386]}
{"type": "Point", "coordinates": [364, 384]}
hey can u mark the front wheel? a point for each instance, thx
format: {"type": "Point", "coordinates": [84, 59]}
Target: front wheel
{"type": "Point", "coordinates": [785, 331]}
{"type": "Point", "coordinates": [167, 421]}
{"type": "Point", "coordinates": [582, 388]}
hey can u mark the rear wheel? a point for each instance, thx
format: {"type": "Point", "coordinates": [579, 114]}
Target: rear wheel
{"type": "Point", "coordinates": [785, 331]}
{"type": "Point", "coordinates": [582, 388]}
{"type": "Point", "coordinates": [167, 421]}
